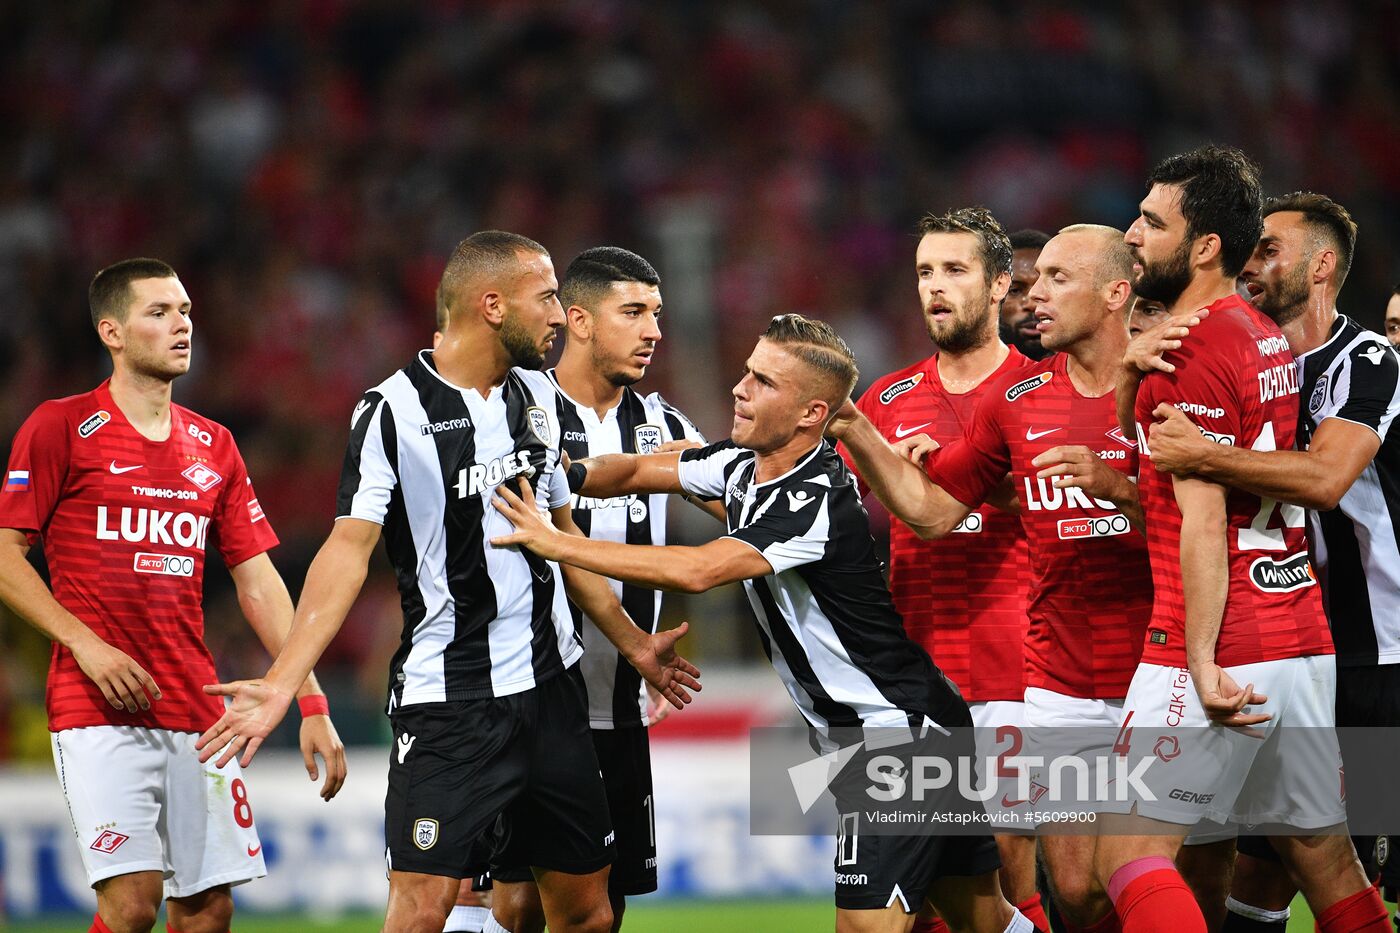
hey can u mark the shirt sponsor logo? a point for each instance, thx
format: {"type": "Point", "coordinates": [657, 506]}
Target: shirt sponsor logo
{"type": "Point", "coordinates": [970, 525]}
{"type": "Point", "coordinates": [1176, 702]}
{"type": "Point", "coordinates": [1201, 411]}
{"type": "Point", "coordinates": [154, 526]}
{"type": "Point", "coordinates": [1043, 496]}
{"type": "Point", "coordinates": [539, 422]}
{"type": "Point", "coordinates": [1227, 440]}
{"type": "Point", "coordinates": [203, 477]}
{"type": "Point", "coordinates": [1282, 576]}
{"type": "Point", "coordinates": [17, 481]}
{"type": "Point", "coordinates": [648, 438]}
{"type": "Point", "coordinates": [438, 427]}
{"type": "Point", "coordinates": [589, 503]}
{"type": "Point", "coordinates": [92, 422]}
{"type": "Point", "coordinates": [481, 477]}
{"type": "Point", "coordinates": [1190, 796]}
{"type": "Point", "coordinates": [255, 512]}
{"type": "Point", "coordinates": [1030, 385]}
{"type": "Point", "coordinates": [1104, 526]}
{"type": "Point", "coordinates": [1319, 395]}
{"type": "Point", "coordinates": [1273, 346]}
{"type": "Point", "coordinates": [199, 434]}
{"type": "Point", "coordinates": [899, 388]}
{"type": "Point", "coordinates": [153, 492]}
{"type": "Point", "coordinates": [110, 840]}
{"type": "Point", "coordinates": [174, 565]}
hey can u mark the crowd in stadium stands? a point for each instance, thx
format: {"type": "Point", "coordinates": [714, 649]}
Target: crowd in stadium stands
{"type": "Point", "coordinates": [308, 166]}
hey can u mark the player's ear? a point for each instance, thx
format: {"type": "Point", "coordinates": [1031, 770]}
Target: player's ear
{"type": "Point", "coordinates": [492, 307]}
{"type": "Point", "coordinates": [110, 333]}
{"type": "Point", "coordinates": [1324, 264]}
{"type": "Point", "coordinates": [1118, 294]}
{"type": "Point", "coordinates": [818, 412]}
{"type": "Point", "coordinates": [580, 322]}
{"type": "Point", "coordinates": [1207, 249]}
{"type": "Point", "coordinates": [1000, 286]}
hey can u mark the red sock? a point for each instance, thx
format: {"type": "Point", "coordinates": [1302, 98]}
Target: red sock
{"type": "Point", "coordinates": [1034, 911]}
{"type": "Point", "coordinates": [936, 925]}
{"type": "Point", "coordinates": [1150, 897]}
{"type": "Point", "coordinates": [1107, 924]}
{"type": "Point", "coordinates": [98, 926]}
{"type": "Point", "coordinates": [1362, 912]}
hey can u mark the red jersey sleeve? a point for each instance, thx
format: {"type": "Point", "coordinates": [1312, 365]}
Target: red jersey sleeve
{"type": "Point", "coordinates": [241, 530]}
{"type": "Point", "coordinates": [972, 467]}
{"type": "Point", "coordinates": [36, 472]}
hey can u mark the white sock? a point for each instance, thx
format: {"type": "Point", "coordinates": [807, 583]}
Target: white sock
{"type": "Point", "coordinates": [1020, 923]}
{"type": "Point", "coordinates": [1256, 913]}
{"type": "Point", "coordinates": [493, 925]}
{"type": "Point", "coordinates": [467, 919]}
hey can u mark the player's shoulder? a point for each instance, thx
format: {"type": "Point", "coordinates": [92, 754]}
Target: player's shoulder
{"type": "Point", "coordinates": [887, 388]}
{"type": "Point", "coordinates": [656, 405]}
{"type": "Point", "coordinates": [206, 430]}
{"type": "Point", "coordinates": [86, 413]}
{"type": "Point", "coordinates": [1366, 346]}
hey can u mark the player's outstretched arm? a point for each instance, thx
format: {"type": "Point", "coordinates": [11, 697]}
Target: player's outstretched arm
{"type": "Point", "coordinates": [1205, 584]}
{"type": "Point", "coordinates": [1078, 466]}
{"type": "Point", "coordinates": [1147, 353]}
{"type": "Point", "coordinates": [903, 486]}
{"type": "Point", "coordinates": [1315, 478]}
{"type": "Point", "coordinates": [332, 583]}
{"type": "Point", "coordinates": [267, 606]}
{"type": "Point", "coordinates": [654, 656]}
{"type": "Point", "coordinates": [626, 474]}
{"type": "Point", "coordinates": [124, 683]}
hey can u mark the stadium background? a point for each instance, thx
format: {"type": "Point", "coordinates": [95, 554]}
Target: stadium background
{"type": "Point", "coordinates": [307, 167]}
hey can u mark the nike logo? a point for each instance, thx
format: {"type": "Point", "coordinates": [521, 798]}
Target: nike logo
{"type": "Point", "coordinates": [902, 431]}
{"type": "Point", "coordinates": [116, 469]}
{"type": "Point", "coordinates": [1007, 802]}
{"type": "Point", "coordinates": [254, 850]}
{"type": "Point", "coordinates": [1035, 435]}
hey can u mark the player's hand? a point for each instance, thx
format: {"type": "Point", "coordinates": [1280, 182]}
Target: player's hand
{"type": "Point", "coordinates": [1075, 465]}
{"type": "Point", "coordinates": [1176, 444]}
{"type": "Point", "coordinates": [256, 710]}
{"type": "Point", "coordinates": [915, 447]}
{"type": "Point", "coordinates": [657, 707]}
{"type": "Point", "coordinates": [656, 660]}
{"type": "Point", "coordinates": [124, 683]}
{"type": "Point", "coordinates": [1146, 352]}
{"type": "Point", "coordinates": [845, 416]}
{"type": "Point", "coordinates": [1224, 702]}
{"type": "Point", "coordinates": [318, 737]}
{"type": "Point", "coordinates": [531, 529]}
{"type": "Point", "coordinates": [680, 443]}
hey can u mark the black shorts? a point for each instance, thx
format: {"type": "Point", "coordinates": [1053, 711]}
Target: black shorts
{"type": "Point", "coordinates": [875, 869]}
{"type": "Point", "coordinates": [625, 757]}
{"type": "Point", "coordinates": [520, 770]}
{"type": "Point", "coordinates": [1368, 696]}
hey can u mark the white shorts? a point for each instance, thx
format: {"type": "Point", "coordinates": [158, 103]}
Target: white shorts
{"type": "Point", "coordinates": [141, 801]}
{"type": "Point", "coordinates": [1059, 726]}
{"type": "Point", "coordinates": [1288, 773]}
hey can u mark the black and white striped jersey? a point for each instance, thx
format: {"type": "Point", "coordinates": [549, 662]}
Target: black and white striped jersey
{"type": "Point", "coordinates": [424, 460]}
{"type": "Point", "coordinates": [1355, 376]}
{"type": "Point", "coordinates": [636, 425]}
{"type": "Point", "coordinates": [825, 616]}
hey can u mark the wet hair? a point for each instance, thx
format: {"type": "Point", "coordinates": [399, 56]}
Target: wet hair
{"type": "Point", "coordinates": [818, 345]}
{"type": "Point", "coordinates": [1220, 194]}
{"type": "Point", "coordinates": [109, 295]}
{"type": "Point", "coordinates": [1325, 216]}
{"type": "Point", "coordinates": [595, 270]}
{"type": "Point", "coordinates": [995, 247]}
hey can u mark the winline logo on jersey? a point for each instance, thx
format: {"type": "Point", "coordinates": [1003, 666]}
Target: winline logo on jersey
{"type": "Point", "coordinates": [926, 779]}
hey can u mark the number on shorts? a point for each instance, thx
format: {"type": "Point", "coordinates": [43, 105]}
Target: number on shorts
{"type": "Point", "coordinates": [651, 819]}
{"type": "Point", "coordinates": [1259, 536]}
{"type": "Point", "coordinates": [1012, 733]}
{"type": "Point", "coordinates": [242, 810]}
{"type": "Point", "coordinates": [1124, 742]}
{"type": "Point", "coordinates": [847, 839]}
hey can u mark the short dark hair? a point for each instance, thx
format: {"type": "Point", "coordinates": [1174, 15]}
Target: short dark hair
{"type": "Point", "coordinates": [486, 252]}
{"type": "Point", "coordinates": [1220, 194]}
{"type": "Point", "coordinates": [1324, 216]}
{"type": "Point", "coordinates": [817, 344]}
{"type": "Point", "coordinates": [109, 295]}
{"type": "Point", "coordinates": [440, 308]}
{"type": "Point", "coordinates": [596, 269]}
{"type": "Point", "coordinates": [1028, 239]}
{"type": "Point", "coordinates": [978, 221]}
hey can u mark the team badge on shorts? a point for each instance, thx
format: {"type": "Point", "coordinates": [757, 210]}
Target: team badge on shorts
{"type": "Point", "coordinates": [648, 438]}
{"type": "Point", "coordinates": [425, 833]}
{"type": "Point", "coordinates": [539, 422]}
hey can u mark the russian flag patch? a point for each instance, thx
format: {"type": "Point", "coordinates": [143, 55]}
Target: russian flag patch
{"type": "Point", "coordinates": [17, 481]}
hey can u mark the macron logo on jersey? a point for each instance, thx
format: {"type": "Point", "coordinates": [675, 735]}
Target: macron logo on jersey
{"type": "Point", "coordinates": [17, 481]}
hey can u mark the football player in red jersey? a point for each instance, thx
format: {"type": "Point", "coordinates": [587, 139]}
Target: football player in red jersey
{"type": "Point", "coordinates": [1091, 595]}
{"type": "Point", "coordinates": [965, 597]}
{"type": "Point", "coordinates": [123, 488]}
{"type": "Point", "coordinates": [1236, 605]}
